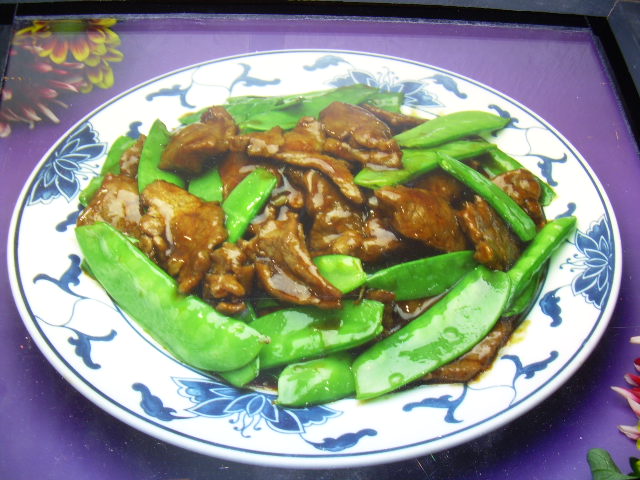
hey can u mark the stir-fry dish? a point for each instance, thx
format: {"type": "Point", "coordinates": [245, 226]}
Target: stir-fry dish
{"type": "Point", "coordinates": [325, 244]}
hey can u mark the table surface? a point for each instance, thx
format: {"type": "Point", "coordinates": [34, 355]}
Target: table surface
{"type": "Point", "coordinates": [49, 431]}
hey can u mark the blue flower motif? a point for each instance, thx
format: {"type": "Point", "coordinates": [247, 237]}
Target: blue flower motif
{"type": "Point", "coordinates": [249, 408]}
{"type": "Point", "coordinates": [596, 260]}
{"type": "Point", "coordinates": [60, 174]}
{"type": "Point", "coordinates": [415, 92]}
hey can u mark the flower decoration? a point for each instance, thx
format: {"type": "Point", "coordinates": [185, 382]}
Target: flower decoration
{"type": "Point", "coordinates": [89, 42]}
{"type": "Point", "coordinates": [53, 58]}
{"type": "Point", "coordinates": [632, 395]}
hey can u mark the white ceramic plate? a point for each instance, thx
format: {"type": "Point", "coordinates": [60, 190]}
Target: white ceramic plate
{"type": "Point", "coordinates": [107, 358]}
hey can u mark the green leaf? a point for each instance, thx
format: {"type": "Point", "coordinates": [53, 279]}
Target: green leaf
{"type": "Point", "coordinates": [604, 468]}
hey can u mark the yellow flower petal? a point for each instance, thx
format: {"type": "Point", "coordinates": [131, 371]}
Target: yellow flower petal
{"type": "Point", "coordinates": [92, 61]}
{"type": "Point", "coordinates": [107, 79]}
{"type": "Point", "coordinates": [113, 55]}
{"type": "Point", "coordinates": [80, 49]}
{"type": "Point", "coordinates": [59, 52]}
{"type": "Point", "coordinates": [95, 75]}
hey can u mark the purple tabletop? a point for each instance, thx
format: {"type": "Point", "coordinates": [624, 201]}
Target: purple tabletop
{"type": "Point", "coordinates": [49, 431]}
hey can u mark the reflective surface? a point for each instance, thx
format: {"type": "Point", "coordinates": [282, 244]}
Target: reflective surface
{"type": "Point", "coordinates": [558, 74]}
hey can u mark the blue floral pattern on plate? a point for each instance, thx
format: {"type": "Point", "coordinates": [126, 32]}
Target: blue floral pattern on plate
{"type": "Point", "coordinates": [60, 176]}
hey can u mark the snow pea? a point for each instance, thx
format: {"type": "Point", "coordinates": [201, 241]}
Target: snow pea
{"type": "Point", "coordinates": [524, 299]}
{"type": "Point", "coordinates": [425, 277]}
{"type": "Point", "coordinates": [110, 165]}
{"type": "Point", "coordinates": [148, 169]}
{"type": "Point", "coordinates": [450, 328]}
{"type": "Point", "coordinates": [246, 200]}
{"type": "Point", "coordinates": [343, 271]}
{"type": "Point", "coordinates": [548, 239]}
{"type": "Point", "coordinates": [310, 106]}
{"type": "Point", "coordinates": [502, 162]}
{"type": "Point", "coordinates": [522, 225]}
{"type": "Point", "coordinates": [186, 326]}
{"type": "Point", "coordinates": [301, 333]}
{"type": "Point", "coordinates": [207, 186]}
{"type": "Point", "coordinates": [389, 101]}
{"type": "Point", "coordinates": [243, 375]}
{"type": "Point", "coordinates": [316, 381]}
{"type": "Point", "coordinates": [416, 162]}
{"type": "Point", "coordinates": [453, 126]}
{"type": "Point", "coordinates": [119, 146]}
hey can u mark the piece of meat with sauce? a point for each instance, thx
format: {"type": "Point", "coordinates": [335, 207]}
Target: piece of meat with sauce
{"type": "Point", "coordinates": [180, 231]}
{"type": "Point", "coordinates": [444, 185]}
{"type": "Point", "coordinates": [397, 122]}
{"type": "Point", "coordinates": [116, 202]}
{"type": "Point", "coordinates": [338, 226]}
{"type": "Point", "coordinates": [356, 134]}
{"type": "Point", "coordinates": [478, 359]}
{"type": "Point", "coordinates": [131, 158]}
{"type": "Point", "coordinates": [496, 246]}
{"type": "Point", "coordinates": [274, 144]}
{"type": "Point", "coordinates": [523, 187]}
{"type": "Point", "coordinates": [422, 215]}
{"type": "Point", "coordinates": [283, 264]}
{"type": "Point", "coordinates": [229, 279]}
{"type": "Point", "coordinates": [192, 147]}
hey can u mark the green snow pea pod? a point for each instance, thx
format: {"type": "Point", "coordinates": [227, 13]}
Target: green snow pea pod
{"type": "Point", "coordinates": [243, 375]}
{"type": "Point", "coordinates": [527, 295]}
{"type": "Point", "coordinates": [110, 165]}
{"type": "Point", "coordinates": [447, 330]}
{"type": "Point", "coordinates": [207, 186]}
{"type": "Point", "coordinates": [425, 277]}
{"type": "Point", "coordinates": [88, 192]}
{"type": "Point", "coordinates": [416, 162]}
{"type": "Point", "coordinates": [502, 162]}
{"type": "Point", "coordinates": [148, 169]}
{"type": "Point", "coordinates": [343, 271]}
{"type": "Point", "coordinates": [453, 126]}
{"type": "Point", "coordinates": [186, 326]}
{"type": "Point", "coordinates": [522, 225]}
{"type": "Point", "coordinates": [246, 200]}
{"type": "Point", "coordinates": [119, 146]}
{"type": "Point", "coordinates": [316, 381]}
{"type": "Point", "coordinates": [301, 333]}
{"type": "Point", "coordinates": [548, 239]}
{"type": "Point", "coordinates": [310, 106]}
{"type": "Point", "coordinates": [389, 101]}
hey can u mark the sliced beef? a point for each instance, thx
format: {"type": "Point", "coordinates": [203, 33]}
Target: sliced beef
{"type": "Point", "coordinates": [284, 267]}
{"type": "Point", "coordinates": [444, 185]}
{"type": "Point", "coordinates": [230, 279]}
{"type": "Point", "coordinates": [307, 136]}
{"type": "Point", "coordinates": [397, 122]}
{"type": "Point", "coordinates": [422, 215]}
{"type": "Point", "coordinates": [338, 226]}
{"type": "Point", "coordinates": [193, 146]}
{"type": "Point", "coordinates": [180, 231]}
{"type": "Point", "coordinates": [275, 144]}
{"type": "Point", "coordinates": [496, 246]}
{"type": "Point", "coordinates": [522, 186]}
{"type": "Point", "coordinates": [333, 168]}
{"type": "Point", "coordinates": [117, 203]}
{"type": "Point", "coordinates": [356, 134]}
{"type": "Point", "coordinates": [259, 144]}
{"type": "Point", "coordinates": [478, 359]}
{"type": "Point", "coordinates": [233, 168]}
{"type": "Point", "coordinates": [131, 158]}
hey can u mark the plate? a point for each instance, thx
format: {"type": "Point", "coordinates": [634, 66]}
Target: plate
{"type": "Point", "coordinates": [114, 364]}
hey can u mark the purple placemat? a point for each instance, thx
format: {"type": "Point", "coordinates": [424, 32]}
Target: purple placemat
{"type": "Point", "coordinates": [49, 431]}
